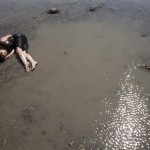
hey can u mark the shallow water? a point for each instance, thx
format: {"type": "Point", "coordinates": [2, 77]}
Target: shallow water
{"type": "Point", "coordinates": [87, 90]}
{"type": "Point", "coordinates": [128, 127]}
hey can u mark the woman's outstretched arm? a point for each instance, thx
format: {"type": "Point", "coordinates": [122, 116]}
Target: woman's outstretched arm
{"type": "Point", "coordinates": [10, 54]}
{"type": "Point", "coordinates": [5, 38]}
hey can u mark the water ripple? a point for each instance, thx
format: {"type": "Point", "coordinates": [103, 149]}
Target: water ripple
{"type": "Point", "coordinates": [128, 128]}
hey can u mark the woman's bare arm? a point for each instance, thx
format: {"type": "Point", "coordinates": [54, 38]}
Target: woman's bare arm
{"type": "Point", "coordinates": [5, 38]}
{"type": "Point", "coordinates": [10, 54]}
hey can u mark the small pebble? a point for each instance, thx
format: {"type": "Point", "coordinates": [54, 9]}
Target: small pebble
{"type": "Point", "coordinates": [53, 10]}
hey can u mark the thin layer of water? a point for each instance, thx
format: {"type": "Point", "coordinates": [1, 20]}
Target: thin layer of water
{"type": "Point", "coordinates": [128, 128]}
{"type": "Point", "coordinates": [80, 68]}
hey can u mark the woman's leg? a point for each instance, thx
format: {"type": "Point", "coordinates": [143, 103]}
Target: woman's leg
{"type": "Point", "coordinates": [22, 56]}
{"type": "Point", "coordinates": [31, 60]}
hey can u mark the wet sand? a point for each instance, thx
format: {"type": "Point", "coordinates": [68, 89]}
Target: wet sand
{"type": "Point", "coordinates": [86, 90]}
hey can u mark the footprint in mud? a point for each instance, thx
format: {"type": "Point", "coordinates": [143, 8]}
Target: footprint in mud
{"type": "Point", "coordinates": [28, 116]}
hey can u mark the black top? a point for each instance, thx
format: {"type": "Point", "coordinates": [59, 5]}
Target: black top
{"type": "Point", "coordinates": [16, 40]}
{"type": "Point", "coordinates": [20, 40]}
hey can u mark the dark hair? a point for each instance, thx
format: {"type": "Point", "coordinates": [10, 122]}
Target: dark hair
{"type": "Point", "coordinates": [2, 45]}
{"type": "Point", "coordinates": [5, 45]}
{"type": "Point", "coordinates": [2, 58]}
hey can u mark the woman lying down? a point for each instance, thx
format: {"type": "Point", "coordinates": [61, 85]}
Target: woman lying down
{"type": "Point", "coordinates": [17, 43]}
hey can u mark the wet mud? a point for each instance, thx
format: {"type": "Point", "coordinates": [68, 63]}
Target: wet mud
{"type": "Point", "coordinates": [87, 91]}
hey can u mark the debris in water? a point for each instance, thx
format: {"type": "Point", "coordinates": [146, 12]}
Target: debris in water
{"type": "Point", "coordinates": [145, 34]}
{"type": "Point", "coordinates": [12, 122]}
{"type": "Point", "coordinates": [54, 10]}
{"type": "Point", "coordinates": [65, 53]}
{"type": "Point", "coordinates": [81, 147]}
{"type": "Point", "coordinates": [144, 66]}
{"type": "Point", "coordinates": [43, 132]}
{"type": "Point", "coordinates": [71, 143]}
{"type": "Point", "coordinates": [94, 8]}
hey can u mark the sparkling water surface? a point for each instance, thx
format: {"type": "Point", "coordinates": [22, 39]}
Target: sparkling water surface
{"type": "Point", "coordinates": [78, 62]}
{"type": "Point", "coordinates": [128, 128]}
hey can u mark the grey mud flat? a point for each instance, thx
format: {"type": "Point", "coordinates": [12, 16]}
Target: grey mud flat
{"type": "Point", "coordinates": [86, 92]}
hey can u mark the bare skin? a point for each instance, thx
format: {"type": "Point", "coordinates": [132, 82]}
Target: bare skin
{"type": "Point", "coordinates": [5, 54]}
{"type": "Point", "coordinates": [5, 38]}
{"type": "Point", "coordinates": [4, 51]}
{"type": "Point", "coordinates": [26, 59]}
{"type": "Point", "coordinates": [28, 62]}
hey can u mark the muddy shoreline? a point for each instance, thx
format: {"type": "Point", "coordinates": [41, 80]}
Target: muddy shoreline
{"type": "Point", "coordinates": [27, 16]}
{"type": "Point", "coordinates": [58, 106]}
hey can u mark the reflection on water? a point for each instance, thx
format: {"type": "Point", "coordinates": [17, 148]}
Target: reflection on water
{"type": "Point", "coordinates": [128, 127]}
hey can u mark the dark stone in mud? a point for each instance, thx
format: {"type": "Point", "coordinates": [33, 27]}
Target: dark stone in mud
{"type": "Point", "coordinates": [81, 147]}
{"type": "Point", "coordinates": [27, 116]}
{"type": "Point", "coordinates": [145, 34]}
{"type": "Point", "coordinates": [144, 66]}
{"type": "Point", "coordinates": [71, 143]}
{"type": "Point", "coordinates": [94, 8]}
{"type": "Point", "coordinates": [53, 10]}
{"type": "Point", "coordinates": [43, 132]}
{"type": "Point", "coordinates": [125, 66]}
{"type": "Point", "coordinates": [65, 53]}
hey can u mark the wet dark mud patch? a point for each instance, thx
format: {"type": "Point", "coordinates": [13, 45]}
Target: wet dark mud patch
{"type": "Point", "coordinates": [28, 116]}
{"type": "Point", "coordinates": [3, 138]}
{"type": "Point", "coordinates": [145, 35]}
{"type": "Point", "coordinates": [69, 84]}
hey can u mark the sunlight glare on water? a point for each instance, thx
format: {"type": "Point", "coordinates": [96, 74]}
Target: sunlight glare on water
{"type": "Point", "coordinates": [128, 128]}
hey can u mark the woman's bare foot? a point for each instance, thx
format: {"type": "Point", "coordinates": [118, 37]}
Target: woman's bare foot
{"type": "Point", "coordinates": [33, 64]}
{"type": "Point", "coordinates": [27, 68]}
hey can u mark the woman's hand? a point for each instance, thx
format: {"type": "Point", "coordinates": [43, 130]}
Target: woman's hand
{"type": "Point", "coordinates": [5, 38]}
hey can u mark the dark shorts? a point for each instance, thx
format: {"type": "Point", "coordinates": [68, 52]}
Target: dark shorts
{"type": "Point", "coordinates": [21, 41]}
